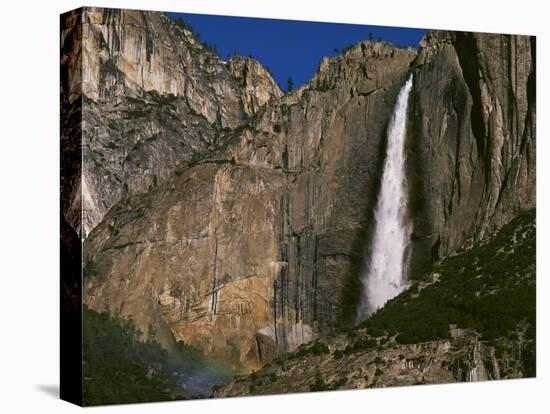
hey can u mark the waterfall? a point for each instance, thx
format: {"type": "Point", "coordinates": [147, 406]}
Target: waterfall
{"type": "Point", "coordinates": [385, 273]}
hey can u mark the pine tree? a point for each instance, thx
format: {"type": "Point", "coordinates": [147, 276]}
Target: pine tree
{"type": "Point", "coordinates": [289, 84]}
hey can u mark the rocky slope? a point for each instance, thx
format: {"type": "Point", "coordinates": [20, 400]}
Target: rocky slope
{"type": "Point", "coordinates": [460, 359]}
{"type": "Point", "coordinates": [473, 319]}
{"type": "Point", "coordinates": [151, 97]}
{"type": "Point", "coordinates": [244, 214]}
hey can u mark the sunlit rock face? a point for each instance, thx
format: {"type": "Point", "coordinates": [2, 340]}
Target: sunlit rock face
{"type": "Point", "coordinates": [256, 84]}
{"type": "Point", "coordinates": [152, 98]}
{"type": "Point", "coordinates": [134, 51]}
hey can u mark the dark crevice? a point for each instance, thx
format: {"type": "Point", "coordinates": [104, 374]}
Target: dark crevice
{"type": "Point", "coordinates": [531, 96]}
{"type": "Point", "coordinates": [259, 348]}
{"type": "Point", "coordinates": [214, 276]}
{"type": "Point", "coordinates": [148, 39]}
{"type": "Point", "coordinates": [467, 52]}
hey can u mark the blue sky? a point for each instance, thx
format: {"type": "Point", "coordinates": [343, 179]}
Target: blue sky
{"type": "Point", "coordinates": [288, 47]}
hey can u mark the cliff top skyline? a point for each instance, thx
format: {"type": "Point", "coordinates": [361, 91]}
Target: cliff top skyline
{"type": "Point", "coordinates": [289, 48]}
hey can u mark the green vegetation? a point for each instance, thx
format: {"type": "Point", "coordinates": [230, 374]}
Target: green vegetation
{"type": "Point", "coordinates": [347, 48]}
{"type": "Point", "coordinates": [114, 363]}
{"type": "Point", "coordinates": [89, 270]}
{"type": "Point", "coordinates": [359, 345]}
{"type": "Point", "coordinates": [153, 103]}
{"type": "Point", "coordinates": [181, 22]}
{"type": "Point", "coordinates": [318, 348]}
{"type": "Point", "coordinates": [289, 85]}
{"type": "Point", "coordinates": [162, 99]}
{"type": "Point", "coordinates": [489, 288]}
{"type": "Point", "coordinates": [211, 48]}
{"type": "Point", "coordinates": [259, 379]}
{"type": "Point", "coordinates": [529, 359]}
{"type": "Point", "coordinates": [321, 385]}
{"type": "Point", "coordinates": [120, 368]}
{"type": "Point", "coordinates": [378, 360]}
{"type": "Point", "coordinates": [135, 114]}
{"type": "Point", "coordinates": [338, 354]}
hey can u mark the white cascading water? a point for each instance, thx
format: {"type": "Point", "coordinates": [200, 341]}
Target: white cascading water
{"type": "Point", "coordinates": [385, 275]}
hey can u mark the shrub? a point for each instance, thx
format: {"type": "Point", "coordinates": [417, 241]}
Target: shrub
{"type": "Point", "coordinates": [341, 381]}
{"type": "Point", "coordinates": [351, 334]}
{"type": "Point", "coordinates": [90, 269]}
{"type": "Point", "coordinates": [378, 360]}
{"type": "Point", "coordinates": [319, 384]}
{"type": "Point", "coordinates": [319, 348]}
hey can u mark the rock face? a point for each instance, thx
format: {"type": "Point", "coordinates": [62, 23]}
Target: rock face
{"type": "Point", "coordinates": [236, 219]}
{"type": "Point", "coordinates": [256, 84]}
{"type": "Point", "coordinates": [252, 250]}
{"type": "Point", "coordinates": [71, 119]}
{"type": "Point", "coordinates": [472, 138]}
{"type": "Point", "coordinates": [152, 97]}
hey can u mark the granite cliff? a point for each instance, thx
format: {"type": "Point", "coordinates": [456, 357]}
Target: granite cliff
{"type": "Point", "coordinates": [251, 251]}
{"type": "Point", "coordinates": [472, 138]}
{"type": "Point", "coordinates": [227, 215]}
{"type": "Point", "coordinates": [150, 97]}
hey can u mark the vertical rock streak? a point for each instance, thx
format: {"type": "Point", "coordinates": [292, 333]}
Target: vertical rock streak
{"type": "Point", "coordinates": [385, 274]}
